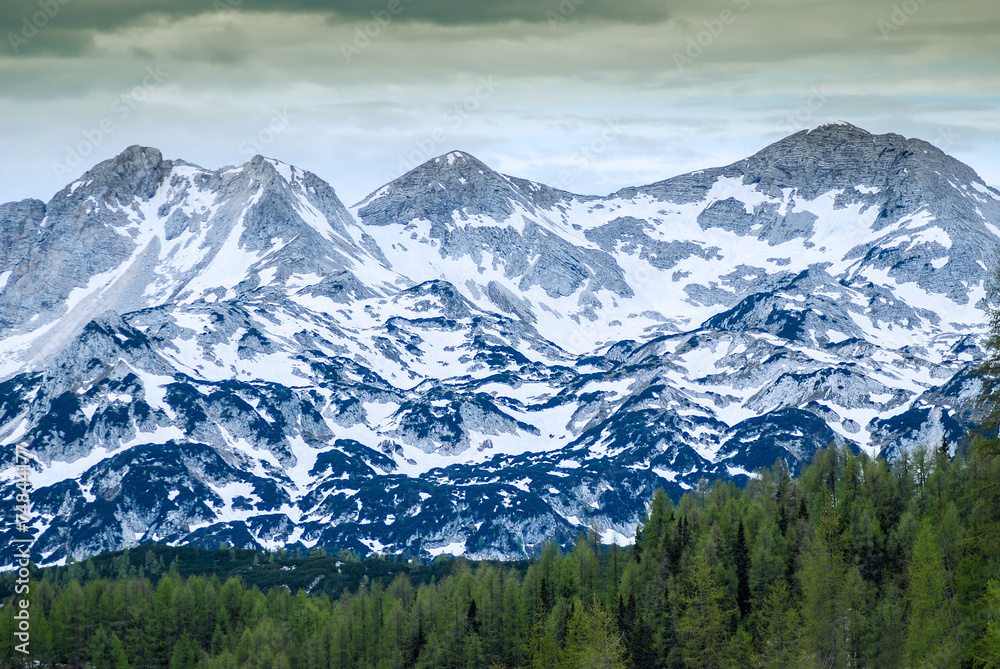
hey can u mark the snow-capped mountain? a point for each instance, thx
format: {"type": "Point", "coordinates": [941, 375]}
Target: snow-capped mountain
{"type": "Point", "coordinates": [467, 361]}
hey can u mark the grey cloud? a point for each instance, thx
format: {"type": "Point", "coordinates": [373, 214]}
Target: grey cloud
{"type": "Point", "coordinates": [110, 15]}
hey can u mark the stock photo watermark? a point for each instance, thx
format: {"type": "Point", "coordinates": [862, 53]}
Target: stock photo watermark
{"type": "Point", "coordinates": [364, 34]}
{"type": "Point", "coordinates": [226, 8]}
{"type": "Point", "coordinates": [804, 113]}
{"type": "Point", "coordinates": [34, 24]}
{"type": "Point", "coordinates": [454, 118]}
{"type": "Point", "coordinates": [22, 541]}
{"type": "Point", "coordinates": [899, 17]}
{"type": "Point", "coordinates": [946, 138]}
{"type": "Point", "coordinates": [280, 121]}
{"type": "Point", "coordinates": [713, 30]}
{"type": "Point", "coordinates": [585, 155]}
{"type": "Point", "coordinates": [565, 9]}
{"type": "Point", "coordinates": [121, 108]}
{"type": "Point", "coordinates": [586, 332]}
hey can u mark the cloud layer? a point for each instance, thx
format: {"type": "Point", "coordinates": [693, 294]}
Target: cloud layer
{"type": "Point", "coordinates": [530, 87]}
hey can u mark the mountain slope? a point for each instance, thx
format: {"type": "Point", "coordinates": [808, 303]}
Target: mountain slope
{"type": "Point", "coordinates": [470, 362]}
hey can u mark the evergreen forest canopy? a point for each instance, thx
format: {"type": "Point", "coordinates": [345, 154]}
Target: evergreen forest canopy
{"type": "Point", "coordinates": [853, 564]}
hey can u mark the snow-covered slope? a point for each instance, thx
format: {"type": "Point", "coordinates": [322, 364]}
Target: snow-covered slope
{"type": "Point", "coordinates": [471, 362]}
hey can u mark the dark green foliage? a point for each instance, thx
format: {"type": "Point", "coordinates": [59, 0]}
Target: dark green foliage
{"type": "Point", "coordinates": [742, 558]}
{"type": "Point", "coordinates": [255, 569]}
{"type": "Point", "coordinates": [853, 564]}
{"type": "Point", "coordinates": [106, 650]}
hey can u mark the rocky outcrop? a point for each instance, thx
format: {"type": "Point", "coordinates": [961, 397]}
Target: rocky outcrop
{"type": "Point", "coordinates": [470, 362]}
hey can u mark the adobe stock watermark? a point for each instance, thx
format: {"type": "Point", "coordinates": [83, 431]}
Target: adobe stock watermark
{"type": "Point", "coordinates": [713, 30]}
{"type": "Point", "coordinates": [584, 156]}
{"type": "Point", "coordinates": [23, 541]}
{"type": "Point", "coordinates": [454, 118]}
{"type": "Point", "coordinates": [226, 8]}
{"type": "Point", "coordinates": [586, 334]}
{"type": "Point", "coordinates": [801, 115]}
{"type": "Point", "coordinates": [567, 8]}
{"type": "Point", "coordinates": [946, 138]}
{"type": "Point", "coordinates": [364, 34]}
{"type": "Point", "coordinates": [121, 108]}
{"type": "Point", "coordinates": [900, 16]}
{"type": "Point", "coordinates": [31, 26]}
{"type": "Point", "coordinates": [280, 120]}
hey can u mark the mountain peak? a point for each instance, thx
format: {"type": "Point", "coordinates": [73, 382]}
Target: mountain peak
{"type": "Point", "coordinates": [837, 132]}
{"type": "Point", "coordinates": [458, 163]}
{"type": "Point", "coordinates": [281, 377]}
{"type": "Point", "coordinates": [455, 183]}
{"type": "Point", "coordinates": [837, 156]}
{"type": "Point", "coordinates": [452, 182]}
{"type": "Point", "coordinates": [459, 158]}
{"type": "Point", "coordinates": [136, 171]}
{"type": "Point", "coordinates": [139, 154]}
{"type": "Point", "coordinates": [838, 126]}
{"type": "Point", "coordinates": [269, 170]}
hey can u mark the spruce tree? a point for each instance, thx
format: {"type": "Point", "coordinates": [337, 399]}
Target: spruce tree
{"type": "Point", "coordinates": [741, 555]}
{"type": "Point", "coordinates": [106, 651]}
{"type": "Point", "coordinates": [831, 594]}
{"type": "Point", "coordinates": [931, 639]}
{"type": "Point", "coordinates": [778, 627]}
{"type": "Point", "coordinates": [592, 640]}
{"type": "Point", "coordinates": [702, 628]}
{"type": "Point", "coordinates": [987, 652]}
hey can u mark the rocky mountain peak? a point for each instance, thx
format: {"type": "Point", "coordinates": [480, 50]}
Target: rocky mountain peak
{"type": "Point", "coordinates": [137, 171]}
{"type": "Point", "coordinates": [839, 156]}
{"type": "Point", "coordinates": [839, 126]}
{"type": "Point", "coordinates": [268, 171]}
{"type": "Point", "coordinates": [489, 363]}
{"type": "Point", "coordinates": [436, 190]}
{"type": "Point", "coordinates": [457, 186]}
{"type": "Point", "coordinates": [455, 168]}
{"type": "Point", "coordinates": [459, 160]}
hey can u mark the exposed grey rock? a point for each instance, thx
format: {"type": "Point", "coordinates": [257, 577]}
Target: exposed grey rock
{"type": "Point", "coordinates": [627, 235]}
{"type": "Point", "coordinates": [19, 223]}
{"type": "Point", "coordinates": [235, 358]}
{"type": "Point", "coordinates": [473, 212]}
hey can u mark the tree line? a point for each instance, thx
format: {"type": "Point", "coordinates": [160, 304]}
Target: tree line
{"type": "Point", "coordinates": [852, 564]}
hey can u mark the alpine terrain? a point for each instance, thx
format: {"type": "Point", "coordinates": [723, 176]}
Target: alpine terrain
{"type": "Point", "coordinates": [467, 362]}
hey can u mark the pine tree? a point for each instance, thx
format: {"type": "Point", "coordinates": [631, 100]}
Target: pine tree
{"type": "Point", "coordinates": [592, 640]}
{"type": "Point", "coordinates": [931, 639]}
{"type": "Point", "coordinates": [987, 652]}
{"type": "Point", "coordinates": [69, 617]}
{"type": "Point", "coordinates": [742, 557]}
{"type": "Point", "coordinates": [106, 651]}
{"type": "Point", "coordinates": [546, 644]}
{"type": "Point", "coordinates": [513, 623]}
{"type": "Point", "coordinates": [654, 526]}
{"type": "Point", "coordinates": [702, 628]}
{"type": "Point", "coordinates": [831, 594]}
{"type": "Point", "coordinates": [883, 641]}
{"type": "Point", "coordinates": [778, 627]}
{"type": "Point", "coordinates": [586, 565]}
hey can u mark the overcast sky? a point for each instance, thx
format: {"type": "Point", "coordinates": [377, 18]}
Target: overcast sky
{"type": "Point", "coordinates": [588, 95]}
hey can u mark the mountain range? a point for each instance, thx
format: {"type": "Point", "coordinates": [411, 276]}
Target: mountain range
{"type": "Point", "coordinates": [467, 362]}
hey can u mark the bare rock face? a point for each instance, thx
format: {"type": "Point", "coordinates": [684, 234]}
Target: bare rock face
{"type": "Point", "coordinates": [473, 213]}
{"type": "Point", "coordinates": [469, 362]}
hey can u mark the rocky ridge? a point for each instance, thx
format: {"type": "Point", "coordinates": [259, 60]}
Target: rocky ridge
{"type": "Point", "coordinates": [467, 362]}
